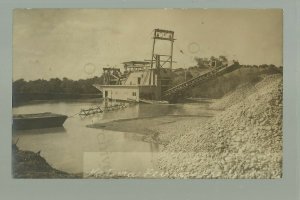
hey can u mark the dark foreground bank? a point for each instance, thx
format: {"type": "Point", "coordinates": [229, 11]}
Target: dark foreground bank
{"type": "Point", "coordinates": [27, 164]}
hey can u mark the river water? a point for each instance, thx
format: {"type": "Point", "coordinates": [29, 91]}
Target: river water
{"type": "Point", "coordinates": [76, 148]}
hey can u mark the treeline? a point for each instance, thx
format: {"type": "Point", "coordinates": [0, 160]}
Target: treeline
{"type": "Point", "coordinates": [56, 86]}
{"type": "Point", "coordinates": [54, 89]}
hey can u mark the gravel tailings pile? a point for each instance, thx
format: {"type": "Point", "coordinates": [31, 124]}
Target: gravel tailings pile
{"type": "Point", "coordinates": [244, 141]}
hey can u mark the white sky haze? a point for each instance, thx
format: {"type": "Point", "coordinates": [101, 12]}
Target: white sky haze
{"type": "Point", "coordinates": [77, 43]}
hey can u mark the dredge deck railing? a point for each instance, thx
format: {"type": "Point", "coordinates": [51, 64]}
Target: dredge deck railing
{"type": "Point", "coordinates": [217, 71]}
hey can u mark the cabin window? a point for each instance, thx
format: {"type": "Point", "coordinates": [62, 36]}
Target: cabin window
{"type": "Point", "coordinates": [139, 80]}
{"type": "Point", "coordinates": [134, 94]}
{"type": "Point", "coordinates": [106, 93]}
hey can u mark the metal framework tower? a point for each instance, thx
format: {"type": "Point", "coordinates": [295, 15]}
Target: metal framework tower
{"type": "Point", "coordinates": [166, 35]}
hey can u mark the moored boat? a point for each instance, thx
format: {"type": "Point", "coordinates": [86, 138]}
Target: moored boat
{"type": "Point", "coordinates": [38, 120]}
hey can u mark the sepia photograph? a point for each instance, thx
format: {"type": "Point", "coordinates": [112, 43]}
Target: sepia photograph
{"type": "Point", "coordinates": [147, 94]}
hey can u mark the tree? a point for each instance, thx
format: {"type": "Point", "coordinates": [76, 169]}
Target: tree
{"type": "Point", "coordinates": [18, 86]}
{"type": "Point", "coordinates": [202, 62]}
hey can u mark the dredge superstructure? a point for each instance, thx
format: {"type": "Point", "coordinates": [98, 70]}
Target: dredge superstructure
{"type": "Point", "coordinates": [151, 79]}
{"type": "Point", "coordinates": [141, 79]}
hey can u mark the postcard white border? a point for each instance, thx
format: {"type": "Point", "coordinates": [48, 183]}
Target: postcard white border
{"type": "Point", "coordinates": [285, 188]}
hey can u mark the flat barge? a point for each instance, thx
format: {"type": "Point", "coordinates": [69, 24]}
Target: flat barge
{"type": "Point", "coordinates": [38, 121]}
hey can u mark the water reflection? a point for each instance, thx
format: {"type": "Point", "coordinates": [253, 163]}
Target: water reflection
{"type": "Point", "coordinates": [64, 148]}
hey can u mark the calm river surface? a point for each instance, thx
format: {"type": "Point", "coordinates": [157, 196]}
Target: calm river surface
{"type": "Point", "coordinates": [76, 148]}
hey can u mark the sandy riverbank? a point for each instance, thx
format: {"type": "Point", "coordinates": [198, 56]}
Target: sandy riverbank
{"type": "Point", "coordinates": [152, 128]}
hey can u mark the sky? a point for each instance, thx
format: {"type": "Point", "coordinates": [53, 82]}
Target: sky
{"type": "Point", "coordinates": [78, 43]}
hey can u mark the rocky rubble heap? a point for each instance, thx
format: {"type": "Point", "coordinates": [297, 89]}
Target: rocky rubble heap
{"type": "Point", "coordinates": [244, 141]}
{"type": "Point", "coordinates": [242, 92]}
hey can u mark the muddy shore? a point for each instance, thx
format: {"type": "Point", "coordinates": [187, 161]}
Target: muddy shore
{"type": "Point", "coordinates": [28, 164]}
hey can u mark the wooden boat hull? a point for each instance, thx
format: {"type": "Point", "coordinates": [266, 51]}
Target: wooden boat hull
{"type": "Point", "coordinates": [38, 121]}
